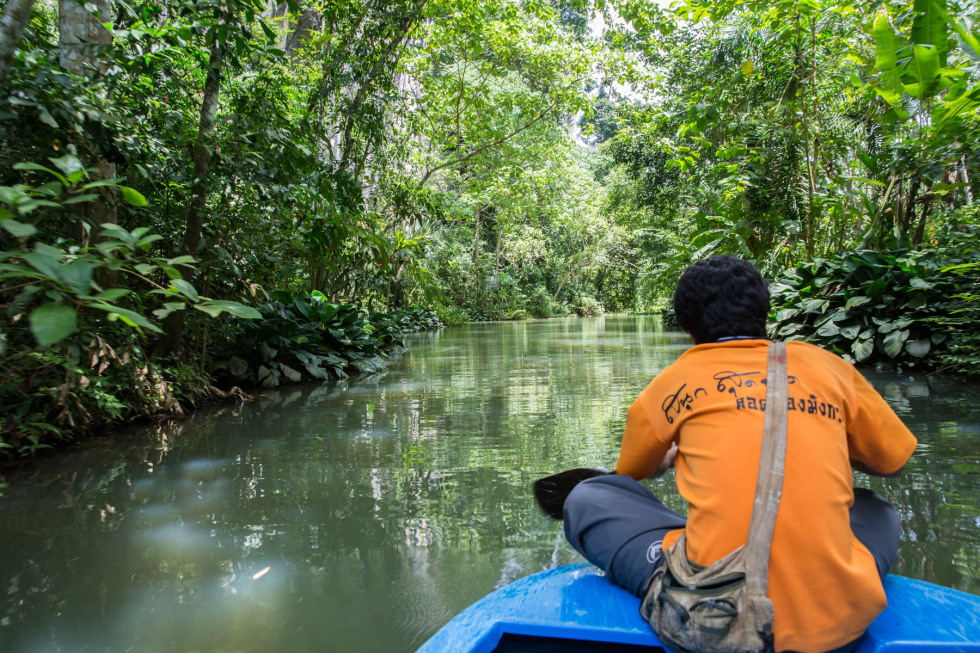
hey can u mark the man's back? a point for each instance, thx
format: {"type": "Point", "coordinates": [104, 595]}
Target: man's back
{"type": "Point", "coordinates": [823, 581]}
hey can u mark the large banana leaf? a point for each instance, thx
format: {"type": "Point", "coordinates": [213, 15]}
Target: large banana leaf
{"type": "Point", "coordinates": [930, 27]}
{"type": "Point", "coordinates": [889, 85]}
{"type": "Point", "coordinates": [967, 40]}
{"type": "Point", "coordinates": [925, 67]}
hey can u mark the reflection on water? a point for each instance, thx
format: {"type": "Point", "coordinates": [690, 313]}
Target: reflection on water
{"type": "Point", "coordinates": [363, 516]}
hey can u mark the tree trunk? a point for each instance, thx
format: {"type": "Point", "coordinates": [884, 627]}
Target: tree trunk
{"type": "Point", "coordinates": [202, 149]}
{"type": "Point", "coordinates": [950, 174]}
{"type": "Point", "coordinates": [476, 239]}
{"type": "Point", "coordinates": [811, 220]}
{"type": "Point", "coordinates": [966, 180]}
{"type": "Point", "coordinates": [16, 15]}
{"type": "Point", "coordinates": [83, 39]}
{"type": "Point", "coordinates": [920, 231]}
{"type": "Point", "coordinates": [173, 325]}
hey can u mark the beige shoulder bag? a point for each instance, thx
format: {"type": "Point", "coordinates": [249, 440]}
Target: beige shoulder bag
{"type": "Point", "coordinates": [723, 608]}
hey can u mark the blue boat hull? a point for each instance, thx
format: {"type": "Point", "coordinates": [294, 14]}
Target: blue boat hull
{"type": "Point", "coordinates": [577, 603]}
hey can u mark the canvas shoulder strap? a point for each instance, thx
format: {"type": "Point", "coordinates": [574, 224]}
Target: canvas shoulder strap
{"type": "Point", "coordinates": [772, 462]}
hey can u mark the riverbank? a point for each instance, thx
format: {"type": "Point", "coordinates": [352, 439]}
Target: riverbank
{"type": "Point", "coordinates": [54, 396]}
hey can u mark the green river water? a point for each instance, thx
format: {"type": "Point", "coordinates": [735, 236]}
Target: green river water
{"type": "Point", "coordinates": [362, 516]}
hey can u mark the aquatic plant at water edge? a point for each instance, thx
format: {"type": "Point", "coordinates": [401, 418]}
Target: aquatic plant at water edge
{"type": "Point", "coordinates": [306, 336]}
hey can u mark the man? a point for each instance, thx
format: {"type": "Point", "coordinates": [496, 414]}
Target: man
{"type": "Point", "coordinates": [832, 544]}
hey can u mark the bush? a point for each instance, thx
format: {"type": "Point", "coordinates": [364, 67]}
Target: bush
{"type": "Point", "coordinates": [308, 337]}
{"type": "Point", "coordinates": [482, 313]}
{"type": "Point", "coordinates": [59, 393]}
{"type": "Point", "coordinates": [588, 307]}
{"type": "Point", "coordinates": [409, 319]}
{"type": "Point", "coordinates": [303, 335]}
{"type": "Point", "coordinates": [451, 315]}
{"type": "Point", "coordinates": [539, 303]}
{"type": "Point", "coordinates": [905, 307]}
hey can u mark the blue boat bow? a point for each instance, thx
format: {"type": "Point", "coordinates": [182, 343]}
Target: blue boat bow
{"type": "Point", "coordinates": [577, 603]}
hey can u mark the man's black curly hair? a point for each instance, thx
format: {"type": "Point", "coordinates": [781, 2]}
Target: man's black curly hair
{"type": "Point", "coordinates": [722, 296]}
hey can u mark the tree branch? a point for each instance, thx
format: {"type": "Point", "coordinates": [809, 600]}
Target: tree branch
{"type": "Point", "coordinates": [483, 148]}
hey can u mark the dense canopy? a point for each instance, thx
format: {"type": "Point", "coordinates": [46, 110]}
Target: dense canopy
{"type": "Point", "coordinates": [220, 192]}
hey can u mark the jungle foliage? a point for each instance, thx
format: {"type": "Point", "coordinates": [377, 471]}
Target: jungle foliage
{"type": "Point", "coordinates": [308, 337]}
{"type": "Point", "coordinates": [898, 306]}
{"type": "Point", "coordinates": [830, 142]}
{"type": "Point", "coordinates": [236, 191]}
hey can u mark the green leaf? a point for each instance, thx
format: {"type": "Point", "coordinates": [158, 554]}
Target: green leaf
{"type": "Point", "coordinates": [865, 180]}
{"type": "Point", "coordinates": [828, 330]}
{"type": "Point", "coordinates": [45, 263]}
{"type": "Point", "coordinates": [929, 26]}
{"type": "Point", "coordinates": [146, 241]}
{"type": "Point", "coordinates": [290, 373]}
{"type": "Point", "coordinates": [40, 168]}
{"type": "Point", "coordinates": [215, 307]}
{"type": "Point", "coordinates": [128, 317]}
{"type": "Point", "coordinates": [101, 183]}
{"type": "Point", "coordinates": [186, 288]}
{"type": "Point", "coordinates": [77, 275]}
{"type": "Point", "coordinates": [111, 229]}
{"type": "Point", "coordinates": [862, 349]}
{"type": "Point", "coordinates": [889, 85]}
{"type": "Point", "coordinates": [918, 348]}
{"type": "Point", "coordinates": [856, 301]}
{"type": "Point", "coordinates": [814, 305]}
{"type": "Point", "coordinates": [969, 43]}
{"type": "Point", "coordinates": [112, 294]}
{"type": "Point", "coordinates": [237, 366]}
{"type": "Point", "coordinates": [132, 196]}
{"type": "Point", "coordinates": [316, 371]}
{"type": "Point", "coordinates": [850, 331]}
{"type": "Point", "coordinates": [268, 353]}
{"type": "Point", "coordinates": [892, 344]}
{"type": "Point", "coordinates": [18, 229]}
{"type": "Point", "coordinates": [876, 287]}
{"type": "Point", "coordinates": [169, 308]}
{"type": "Point", "coordinates": [269, 34]}
{"type": "Point", "coordinates": [46, 117]}
{"type": "Point", "coordinates": [181, 260]}
{"type": "Point", "coordinates": [52, 323]}
{"type": "Point", "coordinates": [71, 166]}
{"type": "Point", "coordinates": [925, 64]}
{"type": "Point", "coordinates": [78, 199]}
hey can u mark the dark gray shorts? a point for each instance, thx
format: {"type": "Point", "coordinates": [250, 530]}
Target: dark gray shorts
{"type": "Point", "coordinates": [619, 526]}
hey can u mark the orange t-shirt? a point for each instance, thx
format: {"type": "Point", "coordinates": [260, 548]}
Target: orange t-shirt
{"type": "Point", "coordinates": [823, 582]}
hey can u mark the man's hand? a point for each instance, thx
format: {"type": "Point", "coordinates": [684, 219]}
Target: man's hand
{"type": "Point", "coordinates": [668, 461]}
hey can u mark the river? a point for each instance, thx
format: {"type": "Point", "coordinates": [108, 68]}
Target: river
{"type": "Point", "coordinates": [361, 516]}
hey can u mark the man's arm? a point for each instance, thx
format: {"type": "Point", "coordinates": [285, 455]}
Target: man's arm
{"type": "Point", "coordinates": [668, 461]}
{"type": "Point", "coordinates": [876, 437]}
{"type": "Point", "coordinates": [642, 454]}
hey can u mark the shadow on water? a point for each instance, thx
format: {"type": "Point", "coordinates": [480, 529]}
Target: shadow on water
{"type": "Point", "coordinates": [364, 515]}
